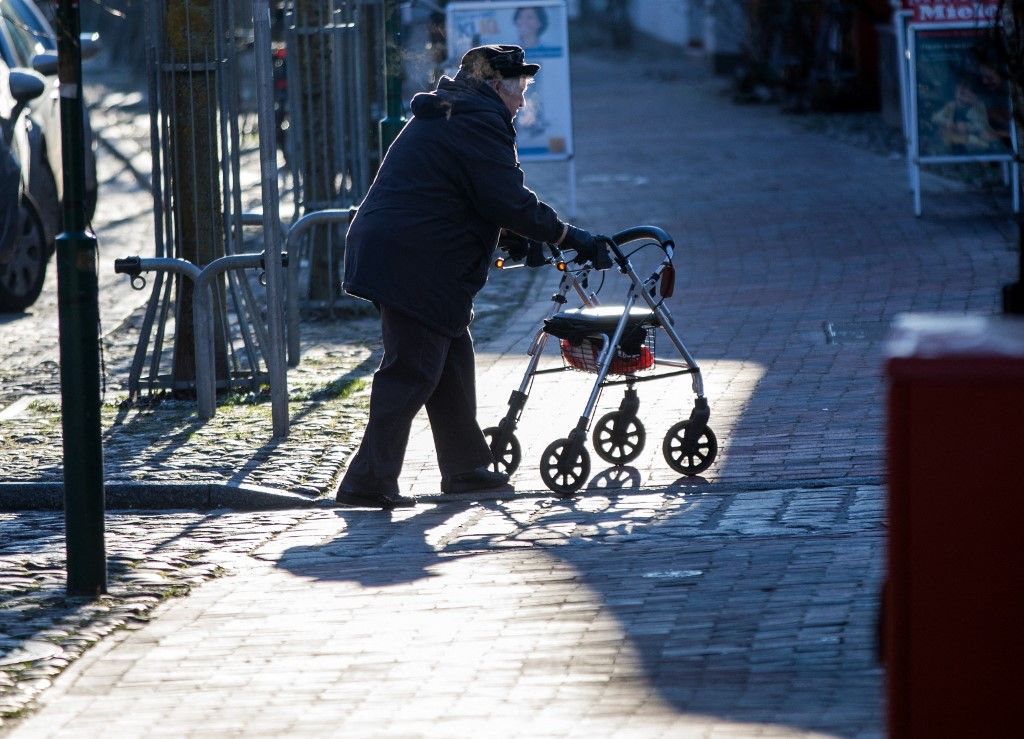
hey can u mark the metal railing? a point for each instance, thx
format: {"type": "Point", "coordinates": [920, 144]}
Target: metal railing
{"type": "Point", "coordinates": [202, 172]}
{"type": "Point", "coordinates": [204, 161]}
{"type": "Point", "coordinates": [295, 240]}
{"type": "Point", "coordinates": [334, 99]}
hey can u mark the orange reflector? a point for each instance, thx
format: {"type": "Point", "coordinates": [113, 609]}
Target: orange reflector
{"type": "Point", "coordinates": [499, 262]}
{"type": "Point", "coordinates": [561, 266]}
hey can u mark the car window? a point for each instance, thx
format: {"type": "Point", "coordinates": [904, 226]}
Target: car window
{"type": "Point", "coordinates": [24, 41]}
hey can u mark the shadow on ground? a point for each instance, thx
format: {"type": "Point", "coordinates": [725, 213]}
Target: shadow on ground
{"type": "Point", "coordinates": [773, 629]}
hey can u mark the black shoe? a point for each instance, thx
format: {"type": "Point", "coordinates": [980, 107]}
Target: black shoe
{"type": "Point", "coordinates": [481, 478]}
{"type": "Point", "coordinates": [385, 501]}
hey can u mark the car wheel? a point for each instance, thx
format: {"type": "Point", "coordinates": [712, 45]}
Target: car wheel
{"type": "Point", "coordinates": [21, 278]}
{"type": "Point", "coordinates": [43, 188]}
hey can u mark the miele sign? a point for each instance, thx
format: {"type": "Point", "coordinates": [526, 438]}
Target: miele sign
{"type": "Point", "coordinates": [947, 11]}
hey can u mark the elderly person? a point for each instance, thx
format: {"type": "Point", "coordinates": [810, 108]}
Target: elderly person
{"type": "Point", "coordinates": [420, 247]}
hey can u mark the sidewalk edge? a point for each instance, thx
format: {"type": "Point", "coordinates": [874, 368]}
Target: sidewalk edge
{"type": "Point", "coordinates": [40, 496]}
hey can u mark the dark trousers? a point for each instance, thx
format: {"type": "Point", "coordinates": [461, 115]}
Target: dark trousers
{"type": "Point", "coordinates": [420, 368]}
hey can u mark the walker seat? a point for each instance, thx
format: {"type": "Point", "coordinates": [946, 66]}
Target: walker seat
{"type": "Point", "coordinates": [583, 331]}
{"type": "Point", "coordinates": [578, 323]}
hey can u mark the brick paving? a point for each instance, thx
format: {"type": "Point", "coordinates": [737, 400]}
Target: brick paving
{"type": "Point", "coordinates": [636, 615]}
{"type": "Point", "coordinates": [740, 603]}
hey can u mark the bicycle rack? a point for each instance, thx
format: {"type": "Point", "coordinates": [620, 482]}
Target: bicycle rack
{"type": "Point", "coordinates": [299, 228]}
{"type": "Point", "coordinates": [269, 335]}
{"type": "Point", "coordinates": [203, 335]}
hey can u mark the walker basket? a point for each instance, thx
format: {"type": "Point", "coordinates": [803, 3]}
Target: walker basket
{"type": "Point", "coordinates": [635, 352]}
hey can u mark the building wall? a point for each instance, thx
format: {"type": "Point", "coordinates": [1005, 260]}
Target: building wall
{"type": "Point", "coordinates": [715, 27]}
{"type": "Point", "coordinates": [724, 31]}
{"type": "Point", "coordinates": [665, 20]}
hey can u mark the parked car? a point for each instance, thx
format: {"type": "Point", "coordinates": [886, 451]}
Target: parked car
{"type": "Point", "coordinates": [27, 42]}
{"type": "Point", "coordinates": [24, 250]}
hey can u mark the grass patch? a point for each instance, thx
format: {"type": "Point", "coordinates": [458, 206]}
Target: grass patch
{"type": "Point", "coordinates": [335, 390]}
{"type": "Point", "coordinates": [44, 405]}
{"type": "Point", "coordinates": [244, 397]}
{"type": "Point", "coordinates": [338, 389]}
{"type": "Point", "coordinates": [174, 591]}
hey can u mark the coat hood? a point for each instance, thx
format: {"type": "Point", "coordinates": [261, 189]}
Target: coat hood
{"type": "Point", "coordinates": [455, 96]}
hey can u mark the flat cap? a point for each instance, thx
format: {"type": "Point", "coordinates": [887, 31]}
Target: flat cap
{"type": "Point", "coordinates": [496, 61]}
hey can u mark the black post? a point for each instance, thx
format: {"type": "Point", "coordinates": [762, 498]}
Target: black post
{"type": "Point", "coordinates": [77, 293]}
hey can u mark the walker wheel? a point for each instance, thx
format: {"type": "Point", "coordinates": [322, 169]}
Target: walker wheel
{"type": "Point", "coordinates": [619, 438]}
{"type": "Point", "coordinates": [690, 461]}
{"type": "Point", "coordinates": [563, 475]}
{"type": "Point", "coordinates": [506, 459]}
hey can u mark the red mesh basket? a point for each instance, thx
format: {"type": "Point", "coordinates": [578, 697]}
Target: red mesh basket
{"type": "Point", "coordinates": [583, 356]}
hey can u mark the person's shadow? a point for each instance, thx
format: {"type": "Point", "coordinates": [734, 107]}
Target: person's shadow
{"type": "Point", "coordinates": [378, 548]}
{"type": "Point", "coordinates": [383, 548]}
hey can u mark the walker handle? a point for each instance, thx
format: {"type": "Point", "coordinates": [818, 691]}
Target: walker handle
{"type": "Point", "coordinates": [645, 232]}
{"type": "Point", "coordinates": [665, 274]}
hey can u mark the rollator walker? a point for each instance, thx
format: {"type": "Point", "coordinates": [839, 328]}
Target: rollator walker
{"type": "Point", "coordinates": [609, 341]}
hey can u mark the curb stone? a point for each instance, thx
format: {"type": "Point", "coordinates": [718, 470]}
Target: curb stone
{"type": "Point", "coordinates": [16, 496]}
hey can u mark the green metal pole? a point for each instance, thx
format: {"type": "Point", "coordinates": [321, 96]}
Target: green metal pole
{"type": "Point", "coordinates": [78, 305]}
{"type": "Point", "coordinates": [392, 125]}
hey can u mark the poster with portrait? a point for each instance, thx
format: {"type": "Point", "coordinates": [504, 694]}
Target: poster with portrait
{"type": "Point", "coordinates": [962, 104]}
{"type": "Point", "coordinates": [544, 125]}
{"type": "Point", "coordinates": [956, 101]}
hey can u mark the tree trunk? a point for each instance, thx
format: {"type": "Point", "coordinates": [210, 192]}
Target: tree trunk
{"type": "Point", "coordinates": [191, 81]}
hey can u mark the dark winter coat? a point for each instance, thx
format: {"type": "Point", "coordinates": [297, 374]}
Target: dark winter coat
{"type": "Point", "coordinates": [424, 236]}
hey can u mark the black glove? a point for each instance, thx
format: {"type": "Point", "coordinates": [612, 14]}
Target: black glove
{"type": "Point", "coordinates": [535, 256]}
{"type": "Point", "coordinates": [588, 248]}
{"type": "Point", "coordinates": [580, 241]}
{"type": "Point", "coordinates": [516, 246]}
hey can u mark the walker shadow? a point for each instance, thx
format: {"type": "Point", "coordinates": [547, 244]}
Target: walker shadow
{"type": "Point", "coordinates": [717, 623]}
{"type": "Point", "coordinates": [615, 478]}
{"type": "Point", "coordinates": [728, 626]}
{"type": "Point", "coordinates": [773, 628]}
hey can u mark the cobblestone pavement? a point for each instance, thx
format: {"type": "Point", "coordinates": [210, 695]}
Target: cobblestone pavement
{"type": "Point", "coordinates": [740, 603]}
{"type": "Point", "coordinates": [649, 614]}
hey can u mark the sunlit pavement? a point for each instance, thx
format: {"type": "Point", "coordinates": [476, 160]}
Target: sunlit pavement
{"type": "Point", "coordinates": [741, 603]}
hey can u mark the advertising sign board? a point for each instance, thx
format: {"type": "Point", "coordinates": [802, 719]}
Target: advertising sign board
{"type": "Point", "coordinates": [951, 11]}
{"type": "Point", "coordinates": [956, 105]}
{"type": "Point", "coordinates": [962, 107]}
{"type": "Point", "coordinates": [544, 125]}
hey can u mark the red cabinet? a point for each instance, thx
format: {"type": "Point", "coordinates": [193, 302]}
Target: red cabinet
{"type": "Point", "coordinates": [953, 624]}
